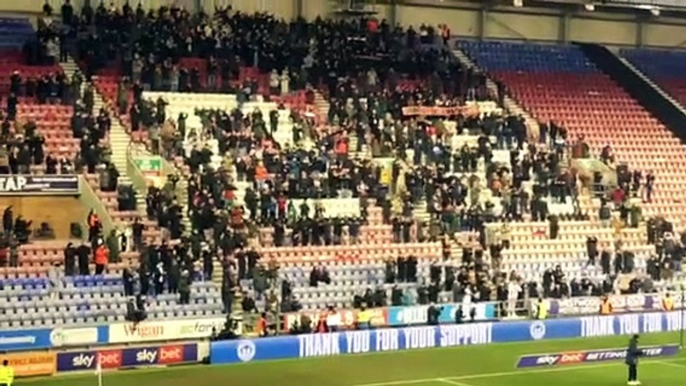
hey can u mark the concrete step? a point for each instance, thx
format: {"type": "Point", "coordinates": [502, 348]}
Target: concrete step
{"type": "Point", "coordinates": [420, 212]}
{"type": "Point", "coordinates": [425, 216]}
{"type": "Point", "coordinates": [352, 146]}
{"type": "Point", "coordinates": [120, 141]}
{"type": "Point", "coordinates": [217, 274]}
{"type": "Point", "coordinates": [649, 81]}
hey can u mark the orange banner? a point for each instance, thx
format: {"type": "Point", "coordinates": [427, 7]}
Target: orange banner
{"type": "Point", "coordinates": [440, 111]}
{"type": "Point", "coordinates": [32, 363]}
{"type": "Point", "coordinates": [379, 317]}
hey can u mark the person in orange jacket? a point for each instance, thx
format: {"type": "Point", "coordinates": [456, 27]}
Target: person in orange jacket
{"type": "Point", "coordinates": [94, 226]}
{"type": "Point", "coordinates": [263, 326]}
{"type": "Point", "coordinates": [102, 257]}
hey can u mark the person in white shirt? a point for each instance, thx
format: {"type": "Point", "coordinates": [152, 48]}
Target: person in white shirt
{"type": "Point", "coordinates": [513, 290]}
{"type": "Point", "coordinates": [285, 83]}
{"type": "Point", "coordinates": [274, 82]}
{"type": "Point", "coordinates": [333, 320]}
{"type": "Point", "coordinates": [53, 50]}
{"type": "Point", "coordinates": [124, 238]}
{"type": "Point", "coordinates": [372, 79]}
{"type": "Point", "coordinates": [467, 302]}
{"type": "Point", "coordinates": [55, 277]}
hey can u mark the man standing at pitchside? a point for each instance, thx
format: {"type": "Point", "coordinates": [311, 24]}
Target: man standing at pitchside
{"type": "Point", "coordinates": [632, 354]}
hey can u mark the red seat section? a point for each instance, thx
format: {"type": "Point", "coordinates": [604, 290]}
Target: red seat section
{"type": "Point", "coordinates": [557, 83]}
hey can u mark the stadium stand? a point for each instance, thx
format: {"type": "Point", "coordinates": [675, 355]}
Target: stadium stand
{"type": "Point", "coordinates": [49, 109]}
{"type": "Point", "coordinates": [583, 99]}
{"type": "Point", "coordinates": [591, 107]}
{"type": "Point", "coordinates": [283, 136]}
{"type": "Point", "coordinates": [311, 179]}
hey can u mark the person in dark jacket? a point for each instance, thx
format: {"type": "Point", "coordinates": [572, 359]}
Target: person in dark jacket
{"type": "Point", "coordinates": [69, 260]}
{"type": "Point", "coordinates": [184, 288]}
{"type": "Point", "coordinates": [632, 354]}
{"type": "Point", "coordinates": [592, 249]}
{"type": "Point", "coordinates": [605, 261]}
{"type": "Point", "coordinates": [128, 279]}
{"type": "Point", "coordinates": [83, 252]}
{"type": "Point", "coordinates": [554, 226]}
{"type": "Point", "coordinates": [7, 220]}
{"type": "Point", "coordinates": [137, 228]}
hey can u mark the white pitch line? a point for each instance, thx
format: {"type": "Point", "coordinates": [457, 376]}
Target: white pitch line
{"type": "Point", "coordinates": [511, 373]}
{"type": "Point", "coordinates": [665, 363]}
{"type": "Point", "coordinates": [398, 383]}
{"type": "Point", "coordinates": [451, 382]}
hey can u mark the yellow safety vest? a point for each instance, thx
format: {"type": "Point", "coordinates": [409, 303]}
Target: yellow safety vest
{"type": "Point", "coordinates": [668, 304]}
{"type": "Point", "coordinates": [364, 317]}
{"type": "Point", "coordinates": [5, 376]}
{"type": "Point", "coordinates": [606, 308]}
{"type": "Point", "coordinates": [542, 310]}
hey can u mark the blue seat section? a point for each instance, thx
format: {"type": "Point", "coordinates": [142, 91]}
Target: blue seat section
{"type": "Point", "coordinates": [38, 302]}
{"type": "Point", "coordinates": [658, 63]}
{"type": "Point", "coordinates": [14, 32]}
{"type": "Point", "coordinates": [514, 57]}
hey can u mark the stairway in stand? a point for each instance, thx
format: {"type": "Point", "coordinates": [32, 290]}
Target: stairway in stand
{"type": "Point", "coordinates": [118, 139]}
{"type": "Point", "coordinates": [352, 147]}
{"type": "Point", "coordinates": [508, 103]}
{"type": "Point", "coordinates": [419, 211]}
{"type": "Point", "coordinates": [322, 106]}
{"type": "Point", "coordinates": [69, 67]}
{"type": "Point", "coordinates": [118, 149]}
{"type": "Point", "coordinates": [456, 250]}
{"type": "Point", "coordinates": [322, 110]}
{"type": "Point", "coordinates": [120, 144]}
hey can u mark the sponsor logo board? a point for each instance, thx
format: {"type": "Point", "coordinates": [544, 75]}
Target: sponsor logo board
{"type": "Point", "coordinates": [35, 185]}
{"type": "Point", "coordinates": [571, 358]}
{"type": "Point", "coordinates": [128, 357]}
{"type": "Point", "coordinates": [164, 330]}
{"type": "Point", "coordinates": [31, 364]}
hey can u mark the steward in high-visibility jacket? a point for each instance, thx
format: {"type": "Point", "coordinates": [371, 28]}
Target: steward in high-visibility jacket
{"type": "Point", "coordinates": [542, 309]}
{"type": "Point", "coordinates": [363, 319]}
{"type": "Point", "coordinates": [6, 374]}
{"type": "Point", "coordinates": [668, 303]}
{"type": "Point", "coordinates": [606, 306]}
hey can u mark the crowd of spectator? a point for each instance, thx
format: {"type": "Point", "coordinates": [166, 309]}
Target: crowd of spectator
{"type": "Point", "coordinates": [367, 93]}
{"type": "Point", "coordinates": [55, 88]}
{"type": "Point", "coordinates": [369, 72]}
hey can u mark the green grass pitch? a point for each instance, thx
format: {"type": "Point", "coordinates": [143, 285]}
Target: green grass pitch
{"type": "Point", "coordinates": [491, 365]}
